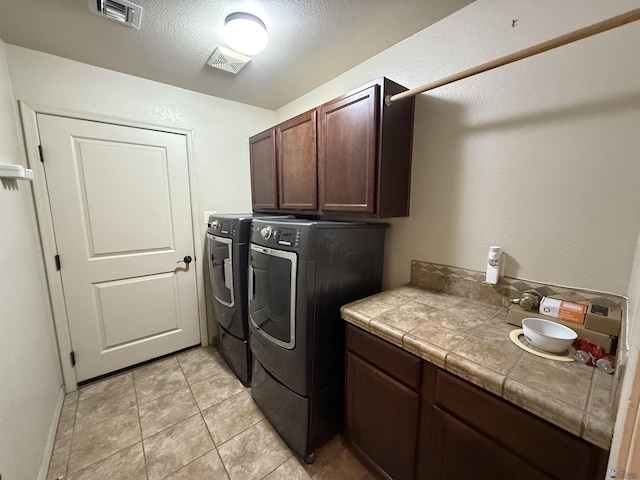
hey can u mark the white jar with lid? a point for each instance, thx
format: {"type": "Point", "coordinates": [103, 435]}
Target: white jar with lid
{"type": "Point", "coordinates": [494, 264]}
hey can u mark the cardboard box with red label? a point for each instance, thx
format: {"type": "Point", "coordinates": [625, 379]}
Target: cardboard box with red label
{"type": "Point", "coordinates": [597, 323]}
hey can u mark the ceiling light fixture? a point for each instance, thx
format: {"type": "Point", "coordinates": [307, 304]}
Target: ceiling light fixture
{"type": "Point", "coordinates": [245, 33]}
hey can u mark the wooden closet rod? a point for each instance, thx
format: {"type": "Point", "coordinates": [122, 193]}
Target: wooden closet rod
{"type": "Point", "coordinates": [585, 32]}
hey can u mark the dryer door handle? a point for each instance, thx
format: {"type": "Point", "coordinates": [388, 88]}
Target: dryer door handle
{"type": "Point", "coordinates": [227, 272]}
{"type": "Point", "coordinates": [252, 281]}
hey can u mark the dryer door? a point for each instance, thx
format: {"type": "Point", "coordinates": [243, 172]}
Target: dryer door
{"type": "Point", "coordinates": [220, 266]}
{"type": "Point", "coordinates": [272, 294]}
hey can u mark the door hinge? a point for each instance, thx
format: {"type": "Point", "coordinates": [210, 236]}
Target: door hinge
{"type": "Point", "coordinates": [41, 154]}
{"type": "Point", "coordinates": [72, 355]}
{"type": "Point", "coordinates": [57, 260]}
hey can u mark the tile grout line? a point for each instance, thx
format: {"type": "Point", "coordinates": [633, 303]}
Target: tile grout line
{"type": "Point", "coordinates": [73, 434]}
{"type": "Point", "coordinates": [103, 459]}
{"type": "Point", "coordinates": [144, 453]}
{"type": "Point", "coordinates": [197, 411]}
{"type": "Point", "coordinates": [241, 431]}
{"type": "Point", "coordinates": [590, 393]}
{"type": "Point", "coordinates": [285, 461]}
{"type": "Point", "coordinates": [77, 403]}
{"type": "Point", "coordinates": [215, 447]}
{"type": "Point", "coordinates": [137, 406]}
{"type": "Point", "coordinates": [170, 426]}
{"type": "Point", "coordinates": [506, 377]}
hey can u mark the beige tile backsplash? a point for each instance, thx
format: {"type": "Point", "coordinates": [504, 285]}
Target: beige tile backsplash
{"type": "Point", "coordinates": [471, 284]}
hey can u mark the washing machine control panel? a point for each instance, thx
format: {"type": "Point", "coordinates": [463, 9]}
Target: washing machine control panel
{"type": "Point", "coordinates": [289, 237]}
{"type": "Point", "coordinates": [280, 236]}
{"type": "Point", "coordinates": [222, 227]}
{"type": "Point", "coordinates": [267, 232]}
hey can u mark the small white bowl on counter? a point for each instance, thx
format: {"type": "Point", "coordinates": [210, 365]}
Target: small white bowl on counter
{"type": "Point", "coordinates": [547, 335]}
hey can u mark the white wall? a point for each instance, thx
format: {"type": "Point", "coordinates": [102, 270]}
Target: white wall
{"type": "Point", "coordinates": [221, 128]}
{"type": "Point", "coordinates": [540, 156]}
{"type": "Point", "coordinates": [29, 366]}
{"type": "Point", "coordinates": [628, 408]}
{"type": "Point", "coordinates": [30, 379]}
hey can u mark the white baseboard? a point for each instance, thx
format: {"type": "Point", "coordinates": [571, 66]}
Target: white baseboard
{"type": "Point", "coordinates": [51, 438]}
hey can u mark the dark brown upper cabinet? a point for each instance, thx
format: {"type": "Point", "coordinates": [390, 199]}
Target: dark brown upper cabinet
{"type": "Point", "coordinates": [297, 166]}
{"type": "Point", "coordinates": [262, 155]}
{"type": "Point", "coordinates": [347, 153]}
{"type": "Point", "coordinates": [284, 167]}
{"type": "Point", "coordinates": [348, 157]}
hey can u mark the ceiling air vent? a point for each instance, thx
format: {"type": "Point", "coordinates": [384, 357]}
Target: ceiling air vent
{"type": "Point", "coordinates": [118, 10]}
{"type": "Point", "coordinates": [228, 60]}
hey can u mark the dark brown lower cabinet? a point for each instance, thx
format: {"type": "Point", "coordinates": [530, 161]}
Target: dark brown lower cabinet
{"type": "Point", "coordinates": [458, 451]}
{"type": "Point", "coordinates": [408, 419]}
{"type": "Point", "coordinates": [383, 427]}
{"type": "Point", "coordinates": [382, 404]}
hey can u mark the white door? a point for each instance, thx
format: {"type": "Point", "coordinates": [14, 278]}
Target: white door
{"type": "Point", "coordinates": [121, 211]}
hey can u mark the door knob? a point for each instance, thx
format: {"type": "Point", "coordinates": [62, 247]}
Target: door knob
{"type": "Point", "coordinates": [186, 260]}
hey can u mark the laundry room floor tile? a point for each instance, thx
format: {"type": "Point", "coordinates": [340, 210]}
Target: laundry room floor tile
{"type": "Point", "coordinates": [184, 417]}
{"type": "Point", "coordinates": [222, 422]}
{"type": "Point", "coordinates": [177, 446]}
{"type": "Point", "coordinates": [125, 464]}
{"type": "Point", "coordinates": [254, 453]}
{"type": "Point", "coordinates": [166, 411]}
{"type": "Point", "coordinates": [289, 470]}
{"type": "Point", "coordinates": [333, 461]}
{"type": "Point", "coordinates": [207, 467]}
{"type": "Point", "coordinates": [150, 387]}
{"type": "Point", "coordinates": [93, 441]}
{"type": "Point", "coordinates": [220, 386]}
{"type": "Point", "coordinates": [103, 405]}
{"type": "Point", "coordinates": [155, 368]}
{"type": "Point", "coordinates": [200, 364]}
{"type": "Point", "coordinates": [62, 444]}
{"type": "Point", "coordinates": [106, 385]}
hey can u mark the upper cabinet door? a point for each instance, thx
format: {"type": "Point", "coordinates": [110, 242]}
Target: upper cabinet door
{"type": "Point", "coordinates": [348, 157]}
{"type": "Point", "coordinates": [262, 154]}
{"type": "Point", "coordinates": [296, 152]}
{"type": "Point", "coordinates": [347, 152]}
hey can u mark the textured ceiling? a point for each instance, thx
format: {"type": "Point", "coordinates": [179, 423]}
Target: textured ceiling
{"type": "Point", "coordinates": [310, 41]}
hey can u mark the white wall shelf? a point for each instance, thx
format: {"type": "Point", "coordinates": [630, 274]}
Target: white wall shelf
{"type": "Point", "coordinates": [16, 171]}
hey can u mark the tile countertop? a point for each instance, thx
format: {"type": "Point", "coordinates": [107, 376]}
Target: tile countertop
{"type": "Point", "coordinates": [471, 340]}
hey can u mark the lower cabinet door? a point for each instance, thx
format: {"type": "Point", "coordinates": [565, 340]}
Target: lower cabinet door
{"type": "Point", "coordinates": [458, 451]}
{"type": "Point", "coordinates": [382, 419]}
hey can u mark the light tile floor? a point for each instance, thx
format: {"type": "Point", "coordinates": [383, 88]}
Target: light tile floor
{"type": "Point", "coordinates": [183, 417]}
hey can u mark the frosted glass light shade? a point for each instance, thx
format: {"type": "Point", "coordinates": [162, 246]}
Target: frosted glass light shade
{"type": "Point", "coordinates": [245, 33]}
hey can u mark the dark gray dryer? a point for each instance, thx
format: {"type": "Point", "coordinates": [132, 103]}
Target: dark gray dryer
{"type": "Point", "coordinates": [300, 273]}
{"type": "Point", "coordinates": [227, 249]}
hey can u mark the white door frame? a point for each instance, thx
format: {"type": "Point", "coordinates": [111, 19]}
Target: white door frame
{"type": "Point", "coordinates": [47, 236]}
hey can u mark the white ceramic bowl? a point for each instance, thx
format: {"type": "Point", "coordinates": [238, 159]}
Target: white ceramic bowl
{"type": "Point", "coordinates": [547, 335]}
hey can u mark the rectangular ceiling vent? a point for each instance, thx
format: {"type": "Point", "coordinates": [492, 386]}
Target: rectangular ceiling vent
{"type": "Point", "coordinates": [119, 10]}
{"type": "Point", "coordinates": [228, 60]}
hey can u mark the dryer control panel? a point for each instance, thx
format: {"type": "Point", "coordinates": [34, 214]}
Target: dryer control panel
{"type": "Point", "coordinates": [288, 234]}
{"type": "Point", "coordinates": [280, 235]}
{"type": "Point", "coordinates": [267, 232]}
{"type": "Point", "coordinates": [289, 237]}
{"type": "Point", "coordinates": [225, 228]}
